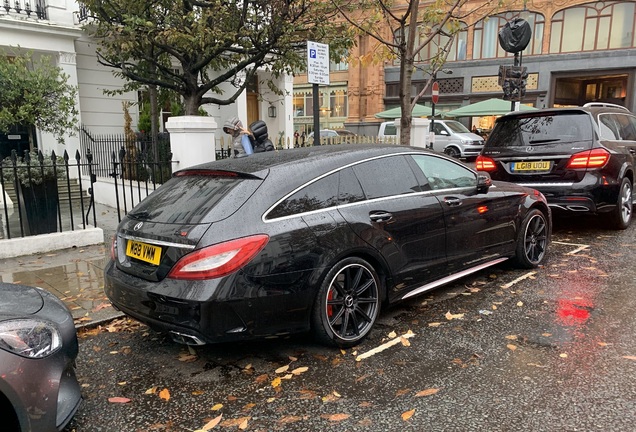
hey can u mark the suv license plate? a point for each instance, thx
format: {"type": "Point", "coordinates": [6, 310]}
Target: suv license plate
{"type": "Point", "coordinates": [143, 252]}
{"type": "Point", "coordinates": [530, 166]}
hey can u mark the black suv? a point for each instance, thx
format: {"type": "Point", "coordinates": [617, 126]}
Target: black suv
{"type": "Point", "coordinates": [580, 158]}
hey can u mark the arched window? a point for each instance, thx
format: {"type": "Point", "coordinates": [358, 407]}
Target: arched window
{"type": "Point", "coordinates": [593, 26]}
{"type": "Point", "coordinates": [486, 34]}
{"type": "Point", "coordinates": [457, 50]}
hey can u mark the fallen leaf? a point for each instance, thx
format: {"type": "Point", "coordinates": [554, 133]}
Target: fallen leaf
{"type": "Point", "coordinates": [164, 394]}
{"type": "Point", "coordinates": [408, 414]}
{"type": "Point", "coordinates": [434, 324]}
{"type": "Point", "coordinates": [289, 419]}
{"type": "Point", "coordinates": [546, 334]}
{"type": "Point", "coordinates": [276, 382]}
{"type": "Point", "coordinates": [511, 337]}
{"type": "Point", "coordinates": [212, 423]}
{"type": "Point", "coordinates": [243, 425]}
{"type": "Point", "coordinates": [217, 407]}
{"type": "Point", "coordinates": [197, 392]}
{"type": "Point", "coordinates": [336, 417]}
{"type": "Point", "coordinates": [564, 355]}
{"type": "Point", "coordinates": [402, 392]}
{"type": "Point", "coordinates": [282, 369]}
{"type": "Point", "coordinates": [511, 347]}
{"type": "Point", "coordinates": [292, 359]}
{"type": "Point", "coordinates": [405, 341]}
{"type": "Point", "coordinates": [261, 379]}
{"type": "Point", "coordinates": [427, 392]}
{"type": "Point", "coordinates": [449, 316]}
{"type": "Point", "coordinates": [520, 304]}
{"type": "Point", "coordinates": [235, 422]}
{"type": "Point", "coordinates": [118, 399]}
{"type": "Point", "coordinates": [300, 370]}
{"type": "Point", "coordinates": [392, 335]}
{"type": "Point", "coordinates": [630, 357]}
{"type": "Point", "coordinates": [248, 406]}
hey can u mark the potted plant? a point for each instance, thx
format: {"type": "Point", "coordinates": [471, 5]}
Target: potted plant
{"type": "Point", "coordinates": [34, 177]}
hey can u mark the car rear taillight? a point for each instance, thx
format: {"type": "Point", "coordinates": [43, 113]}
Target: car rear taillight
{"type": "Point", "coordinates": [220, 259]}
{"type": "Point", "coordinates": [595, 158]}
{"type": "Point", "coordinates": [484, 163]}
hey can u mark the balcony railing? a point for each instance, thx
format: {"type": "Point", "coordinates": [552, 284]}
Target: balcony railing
{"type": "Point", "coordinates": [35, 8]}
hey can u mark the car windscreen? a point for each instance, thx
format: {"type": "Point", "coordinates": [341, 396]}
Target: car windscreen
{"type": "Point", "coordinates": [390, 130]}
{"type": "Point", "coordinates": [457, 127]}
{"type": "Point", "coordinates": [196, 197]}
{"type": "Point", "coordinates": [545, 132]}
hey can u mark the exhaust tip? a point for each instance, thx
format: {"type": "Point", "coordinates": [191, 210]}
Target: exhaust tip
{"type": "Point", "coordinates": [185, 339]}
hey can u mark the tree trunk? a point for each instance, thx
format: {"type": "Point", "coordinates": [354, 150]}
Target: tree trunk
{"type": "Point", "coordinates": [154, 120]}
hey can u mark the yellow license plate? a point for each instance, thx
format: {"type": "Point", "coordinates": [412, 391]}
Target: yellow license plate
{"type": "Point", "coordinates": [531, 166]}
{"type": "Point", "coordinates": [143, 252]}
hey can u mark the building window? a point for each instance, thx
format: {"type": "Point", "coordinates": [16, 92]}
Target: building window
{"type": "Point", "coordinates": [457, 50]}
{"type": "Point", "coordinates": [342, 65]}
{"type": "Point", "coordinates": [333, 103]}
{"type": "Point", "coordinates": [592, 27]}
{"type": "Point", "coordinates": [486, 35]}
{"type": "Point", "coordinates": [338, 103]}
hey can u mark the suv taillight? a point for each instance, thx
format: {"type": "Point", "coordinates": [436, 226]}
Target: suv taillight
{"type": "Point", "coordinates": [483, 163]}
{"type": "Point", "coordinates": [595, 158]}
{"type": "Point", "coordinates": [218, 260]}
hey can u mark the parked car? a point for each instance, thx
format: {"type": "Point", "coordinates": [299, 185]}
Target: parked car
{"type": "Point", "coordinates": [581, 158]}
{"type": "Point", "coordinates": [316, 238]}
{"type": "Point", "coordinates": [325, 133]}
{"type": "Point", "coordinates": [454, 139]}
{"type": "Point", "coordinates": [387, 133]}
{"type": "Point", "coordinates": [39, 391]}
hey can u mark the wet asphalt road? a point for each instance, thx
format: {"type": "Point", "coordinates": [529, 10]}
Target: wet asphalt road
{"type": "Point", "coordinates": [553, 350]}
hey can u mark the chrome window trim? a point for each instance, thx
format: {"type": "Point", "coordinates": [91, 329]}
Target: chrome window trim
{"type": "Point", "coordinates": [155, 242]}
{"type": "Point", "coordinates": [535, 185]}
{"type": "Point", "coordinates": [405, 153]}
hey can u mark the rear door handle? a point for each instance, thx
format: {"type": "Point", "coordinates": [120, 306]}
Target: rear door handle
{"type": "Point", "coordinates": [380, 216]}
{"type": "Point", "coordinates": [452, 201]}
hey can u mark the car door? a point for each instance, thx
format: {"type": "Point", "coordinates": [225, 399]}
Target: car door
{"type": "Point", "coordinates": [442, 136]}
{"type": "Point", "coordinates": [398, 218]}
{"type": "Point", "coordinates": [479, 226]}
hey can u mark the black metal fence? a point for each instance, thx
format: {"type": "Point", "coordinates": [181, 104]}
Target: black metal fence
{"type": "Point", "coordinates": [44, 194]}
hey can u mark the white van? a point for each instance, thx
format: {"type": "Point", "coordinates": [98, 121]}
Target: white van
{"type": "Point", "coordinates": [454, 139]}
{"type": "Point", "coordinates": [451, 137]}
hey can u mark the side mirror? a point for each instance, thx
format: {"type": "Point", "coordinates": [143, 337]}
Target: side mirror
{"type": "Point", "coordinates": [483, 182]}
{"type": "Point", "coordinates": [444, 132]}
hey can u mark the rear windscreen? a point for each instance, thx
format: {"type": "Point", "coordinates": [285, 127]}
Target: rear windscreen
{"type": "Point", "coordinates": [549, 131]}
{"type": "Point", "coordinates": [189, 199]}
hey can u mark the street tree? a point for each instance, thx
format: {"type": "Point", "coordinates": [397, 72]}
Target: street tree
{"type": "Point", "coordinates": [197, 47]}
{"type": "Point", "coordinates": [391, 25]}
{"type": "Point", "coordinates": [36, 92]}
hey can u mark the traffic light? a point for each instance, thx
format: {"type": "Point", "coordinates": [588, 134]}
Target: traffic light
{"type": "Point", "coordinates": [513, 80]}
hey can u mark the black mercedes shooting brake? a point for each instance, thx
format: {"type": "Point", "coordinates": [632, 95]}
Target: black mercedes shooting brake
{"type": "Point", "coordinates": [315, 239]}
{"type": "Point", "coordinates": [580, 158]}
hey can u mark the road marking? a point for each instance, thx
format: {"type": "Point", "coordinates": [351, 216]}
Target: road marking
{"type": "Point", "coordinates": [579, 248]}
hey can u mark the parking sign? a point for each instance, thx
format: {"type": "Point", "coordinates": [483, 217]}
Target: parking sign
{"type": "Point", "coordinates": [317, 63]}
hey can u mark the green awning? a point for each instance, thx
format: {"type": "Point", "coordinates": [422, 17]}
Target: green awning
{"type": "Point", "coordinates": [393, 113]}
{"type": "Point", "coordinates": [487, 107]}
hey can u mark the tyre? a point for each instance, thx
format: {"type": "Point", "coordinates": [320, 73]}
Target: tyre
{"type": "Point", "coordinates": [452, 152]}
{"type": "Point", "coordinates": [621, 216]}
{"type": "Point", "coordinates": [347, 304]}
{"type": "Point", "coordinates": [532, 240]}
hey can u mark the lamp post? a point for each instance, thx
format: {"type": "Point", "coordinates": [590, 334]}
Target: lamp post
{"type": "Point", "coordinates": [434, 100]}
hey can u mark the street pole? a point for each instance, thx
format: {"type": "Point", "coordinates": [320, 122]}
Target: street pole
{"type": "Point", "coordinates": [432, 124]}
{"type": "Point", "coordinates": [316, 103]}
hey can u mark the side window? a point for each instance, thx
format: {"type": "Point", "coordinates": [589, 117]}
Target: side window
{"type": "Point", "coordinates": [386, 177]}
{"type": "Point", "coordinates": [349, 190]}
{"type": "Point", "coordinates": [626, 130]}
{"type": "Point", "coordinates": [608, 127]}
{"type": "Point", "coordinates": [444, 174]}
{"type": "Point", "coordinates": [315, 196]}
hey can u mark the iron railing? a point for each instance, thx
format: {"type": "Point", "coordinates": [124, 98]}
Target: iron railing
{"type": "Point", "coordinates": [25, 7]}
{"type": "Point", "coordinates": [44, 194]}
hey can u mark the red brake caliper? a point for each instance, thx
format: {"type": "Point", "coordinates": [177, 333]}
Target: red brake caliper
{"type": "Point", "coordinates": [329, 307]}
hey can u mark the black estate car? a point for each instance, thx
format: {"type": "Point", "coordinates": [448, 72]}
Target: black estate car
{"type": "Point", "coordinates": [581, 159]}
{"type": "Point", "coordinates": [315, 238]}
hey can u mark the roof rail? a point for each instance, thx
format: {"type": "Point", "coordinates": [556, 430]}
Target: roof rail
{"type": "Point", "coordinates": [604, 104]}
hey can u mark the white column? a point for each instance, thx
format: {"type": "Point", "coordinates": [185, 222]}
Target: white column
{"type": "Point", "coordinates": [66, 62]}
{"type": "Point", "coordinates": [191, 140]}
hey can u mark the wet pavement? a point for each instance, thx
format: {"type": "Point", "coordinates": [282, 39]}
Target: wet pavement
{"type": "Point", "coordinates": [75, 275]}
